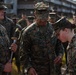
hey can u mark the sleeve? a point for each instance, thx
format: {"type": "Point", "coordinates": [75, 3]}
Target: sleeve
{"type": "Point", "coordinates": [4, 43]}
{"type": "Point", "coordinates": [25, 51]}
{"type": "Point", "coordinates": [2, 58]}
{"type": "Point", "coordinates": [74, 60]}
{"type": "Point", "coordinates": [16, 33]}
{"type": "Point", "coordinates": [59, 49]}
{"type": "Point", "coordinates": [20, 22]}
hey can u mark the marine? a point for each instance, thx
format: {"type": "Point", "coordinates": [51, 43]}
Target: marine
{"type": "Point", "coordinates": [64, 31]}
{"type": "Point", "coordinates": [38, 44]}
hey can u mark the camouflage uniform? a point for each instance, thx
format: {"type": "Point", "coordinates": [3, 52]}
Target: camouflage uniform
{"type": "Point", "coordinates": [71, 56]}
{"type": "Point", "coordinates": [71, 53]}
{"type": "Point", "coordinates": [4, 44]}
{"type": "Point", "coordinates": [53, 17]}
{"type": "Point", "coordinates": [59, 49]}
{"type": "Point", "coordinates": [39, 49]}
{"type": "Point", "coordinates": [4, 49]}
{"type": "Point", "coordinates": [17, 30]}
{"type": "Point", "coordinates": [9, 25]}
{"type": "Point", "coordinates": [38, 46]}
{"type": "Point", "coordinates": [22, 22]}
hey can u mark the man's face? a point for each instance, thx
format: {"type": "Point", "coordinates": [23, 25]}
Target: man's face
{"type": "Point", "coordinates": [42, 14]}
{"type": "Point", "coordinates": [1, 14]}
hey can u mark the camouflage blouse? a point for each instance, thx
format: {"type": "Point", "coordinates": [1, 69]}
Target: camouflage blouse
{"type": "Point", "coordinates": [4, 48]}
{"type": "Point", "coordinates": [22, 22]}
{"type": "Point", "coordinates": [71, 55]}
{"type": "Point", "coordinates": [39, 48]}
{"type": "Point", "coordinates": [9, 26]}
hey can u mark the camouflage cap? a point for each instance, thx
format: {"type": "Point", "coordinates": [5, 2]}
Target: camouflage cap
{"type": "Point", "coordinates": [62, 23]}
{"type": "Point", "coordinates": [41, 6]}
{"type": "Point", "coordinates": [2, 6]}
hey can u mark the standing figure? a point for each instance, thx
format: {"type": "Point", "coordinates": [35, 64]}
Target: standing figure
{"type": "Point", "coordinates": [6, 22]}
{"type": "Point", "coordinates": [64, 31]}
{"type": "Point", "coordinates": [38, 44]}
{"type": "Point", "coordinates": [5, 53]}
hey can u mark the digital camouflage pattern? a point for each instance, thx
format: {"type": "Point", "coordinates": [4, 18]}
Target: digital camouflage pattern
{"type": "Point", "coordinates": [22, 22]}
{"type": "Point", "coordinates": [17, 30]}
{"type": "Point", "coordinates": [2, 5]}
{"type": "Point", "coordinates": [59, 50]}
{"type": "Point", "coordinates": [41, 6]}
{"type": "Point", "coordinates": [4, 48]}
{"type": "Point", "coordinates": [71, 56]}
{"type": "Point", "coordinates": [38, 51]}
{"type": "Point", "coordinates": [9, 25]}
